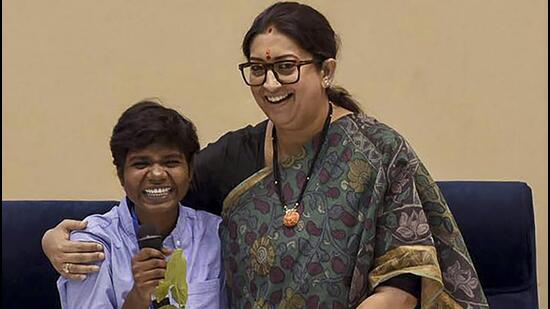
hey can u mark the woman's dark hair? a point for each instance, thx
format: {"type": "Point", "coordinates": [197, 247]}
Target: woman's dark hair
{"type": "Point", "coordinates": [146, 123]}
{"type": "Point", "coordinates": [311, 31]}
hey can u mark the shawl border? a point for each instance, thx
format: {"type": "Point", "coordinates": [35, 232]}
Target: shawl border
{"type": "Point", "coordinates": [231, 198]}
{"type": "Point", "coordinates": [419, 260]}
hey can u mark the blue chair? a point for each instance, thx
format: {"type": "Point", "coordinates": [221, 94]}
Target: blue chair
{"type": "Point", "coordinates": [496, 220]}
{"type": "Point", "coordinates": [28, 279]}
{"type": "Point", "coordinates": [497, 223]}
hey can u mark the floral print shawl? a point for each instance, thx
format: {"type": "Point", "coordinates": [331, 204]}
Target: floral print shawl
{"type": "Point", "coordinates": [371, 212]}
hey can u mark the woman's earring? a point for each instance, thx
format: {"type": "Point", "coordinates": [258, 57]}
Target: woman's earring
{"type": "Point", "coordinates": [325, 83]}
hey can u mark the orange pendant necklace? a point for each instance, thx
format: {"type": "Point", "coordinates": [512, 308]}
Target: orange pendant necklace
{"type": "Point", "coordinates": [292, 216]}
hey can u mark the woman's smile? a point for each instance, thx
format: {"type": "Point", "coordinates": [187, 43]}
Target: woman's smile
{"type": "Point", "coordinates": [276, 99]}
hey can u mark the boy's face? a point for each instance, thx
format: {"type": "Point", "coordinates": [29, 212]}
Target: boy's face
{"type": "Point", "coordinates": [156, 177]}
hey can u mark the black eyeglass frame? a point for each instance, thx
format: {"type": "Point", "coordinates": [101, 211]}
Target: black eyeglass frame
{"type": "Point", "coordinates": [271, 66]}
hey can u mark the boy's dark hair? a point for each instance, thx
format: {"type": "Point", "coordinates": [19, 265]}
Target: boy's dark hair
{"type": "Point", "coordinates": [311, 31]}
{"type": "Point", "coordinates": [146, 123]}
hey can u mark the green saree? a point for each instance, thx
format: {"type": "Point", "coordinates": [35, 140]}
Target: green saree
{"type": "Point", "coordinates": [370, 212]}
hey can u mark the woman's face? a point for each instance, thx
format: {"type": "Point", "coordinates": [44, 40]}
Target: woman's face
{"type": "Point", "coordinates": [156, 178]}
{"type": "Point", "coordinates": [288, 106]}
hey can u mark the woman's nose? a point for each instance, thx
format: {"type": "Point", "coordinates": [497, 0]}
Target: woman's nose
{"type": "Point", "coordinates": [271, 83]}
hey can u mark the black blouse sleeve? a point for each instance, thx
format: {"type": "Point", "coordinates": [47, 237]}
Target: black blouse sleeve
{"type": "Point", "coordinates": [222, 165]}
{"type": "Point", "coordinates": [409, 283]}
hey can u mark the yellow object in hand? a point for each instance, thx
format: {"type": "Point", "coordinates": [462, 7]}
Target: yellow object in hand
{"type": "Point", "coordinates": [174, 282]}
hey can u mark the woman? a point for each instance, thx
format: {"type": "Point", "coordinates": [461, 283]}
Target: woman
{"type": "Point", "coordinates": [153, 149]}
{"type": "Point", "coordinates": [322, 206]}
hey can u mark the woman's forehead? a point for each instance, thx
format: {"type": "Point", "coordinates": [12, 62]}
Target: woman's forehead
{"type": "Point", "coordinates": [274, 44]}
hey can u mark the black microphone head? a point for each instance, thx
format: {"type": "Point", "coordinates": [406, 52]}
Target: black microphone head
{"type": "Point", "coordinates": [149, 237]}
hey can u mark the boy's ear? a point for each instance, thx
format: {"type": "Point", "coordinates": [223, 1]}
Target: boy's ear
{"type": "Point", "coordinates": [121, 178]}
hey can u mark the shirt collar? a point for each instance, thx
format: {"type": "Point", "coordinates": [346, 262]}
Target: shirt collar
{"type": "Point", "coordinates": [176, 233]}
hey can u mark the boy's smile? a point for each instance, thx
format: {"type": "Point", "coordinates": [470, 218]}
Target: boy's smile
{"type": "Point", "coordinates": [156, 178]}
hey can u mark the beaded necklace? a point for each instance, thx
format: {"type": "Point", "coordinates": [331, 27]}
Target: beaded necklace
{"type": "Point", "coordinates": [292, 216]}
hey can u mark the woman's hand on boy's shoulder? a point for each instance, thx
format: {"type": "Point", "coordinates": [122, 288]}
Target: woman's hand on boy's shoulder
{"type": "Point", "coordinates": [71, 259]}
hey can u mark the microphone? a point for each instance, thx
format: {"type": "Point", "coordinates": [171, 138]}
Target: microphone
{"type": "Point", "coordinates": [149, 237]}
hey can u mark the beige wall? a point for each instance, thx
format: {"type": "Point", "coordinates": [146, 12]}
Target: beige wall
{"type": "Point", "coordinates": [464, 81]}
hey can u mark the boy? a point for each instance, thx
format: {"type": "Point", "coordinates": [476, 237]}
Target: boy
{"type": "Point", "coordinates": [152, 148]}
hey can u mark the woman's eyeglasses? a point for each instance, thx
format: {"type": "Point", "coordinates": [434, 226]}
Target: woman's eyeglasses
{"type": "Point", "coordinates": [285, 71]}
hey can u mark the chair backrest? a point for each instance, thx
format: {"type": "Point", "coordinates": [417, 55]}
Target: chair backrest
{"type": "Point", "coordinates": [497, 223]}
{"type": "Point", "coordinates": [495, 218]}
{"type": "Point", "coordinates": [28, 279]}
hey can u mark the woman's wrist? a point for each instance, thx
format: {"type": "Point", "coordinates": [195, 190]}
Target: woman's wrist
{"type": "Point", "coordinates": [390, 298]}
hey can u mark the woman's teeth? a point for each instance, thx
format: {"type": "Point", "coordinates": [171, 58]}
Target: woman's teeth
{"type": "Point", "coordinates": [157, 192]}
{"type": "Point", "coordinates": [277, 99]}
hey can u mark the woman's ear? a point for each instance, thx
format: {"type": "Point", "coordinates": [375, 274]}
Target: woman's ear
{"type": "Point", "coordinates": [327, 71]}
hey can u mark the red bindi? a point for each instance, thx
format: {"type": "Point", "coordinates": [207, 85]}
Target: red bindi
{"type": "Point", "coordinates": [269, 30]}
{"type": "Point", "coordinates": [267, 54]}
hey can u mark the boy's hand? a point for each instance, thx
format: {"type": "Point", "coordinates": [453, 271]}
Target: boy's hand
{"type": "Point", "coordinates": [148, 268]}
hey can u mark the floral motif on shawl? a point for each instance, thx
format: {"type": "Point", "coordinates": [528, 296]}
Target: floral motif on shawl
{"type": "Point", "coordinates": [371, 212]}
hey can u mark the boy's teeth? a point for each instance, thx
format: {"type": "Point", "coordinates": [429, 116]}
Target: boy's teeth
{"type": "Point", "coordinates": [157, 191]}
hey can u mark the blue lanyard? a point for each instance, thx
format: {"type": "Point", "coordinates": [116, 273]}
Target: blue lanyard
{"type": "Point", "coordinates": [135, 223]}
